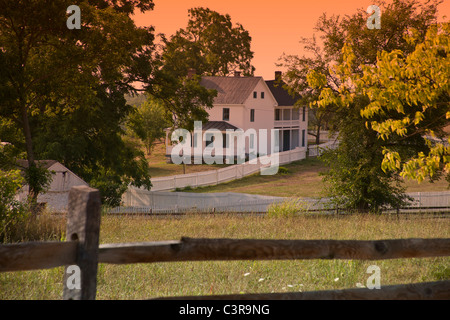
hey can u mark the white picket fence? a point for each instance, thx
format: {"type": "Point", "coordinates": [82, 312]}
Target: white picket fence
{"type": "Point", "coordinates": [233, 172]}
{"type": "Point", "coordinates": [213, 177]}
{"type": "Point", "coordinates": [316, 150]}
{"type": "Point", "coordinates": [141, 201]}
{"type": "Point", "coordinates": [149, 202]}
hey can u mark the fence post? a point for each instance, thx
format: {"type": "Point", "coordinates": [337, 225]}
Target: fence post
{"type": "Point", "coordinates": [420, 203]}
{"type": "Point", "coordinates": [196, 179]}
{"type": "Point", "coordinates": [83, 225]}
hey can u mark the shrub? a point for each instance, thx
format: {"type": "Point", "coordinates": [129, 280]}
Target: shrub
{"type": "Point", "coordinates": [16, 221]}
{"type": "Point", "coordinates": [283, 170]}
{"type": "Point", "coordinates": [187, 188]}
{"type": "Point", "coordinates": [287, 208]}
{"type": "Point", "coordinates": [11, 210]}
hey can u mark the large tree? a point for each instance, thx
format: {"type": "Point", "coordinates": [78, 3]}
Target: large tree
{"type": "Point", "coordinates": [296, 82]}
{"type": "Point", "coordinates": [406, 107]}
{"type": "Point", "coordinates": [63, 90]}
{"type": "Point", "coordinates": [210, 44]}
{"type": "Point", "coordinates": [357, 179]}
{"type": "Point", "coordinates": [410, 97]}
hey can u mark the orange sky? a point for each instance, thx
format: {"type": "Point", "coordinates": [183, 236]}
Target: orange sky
{"type": "Point", "coordinates": [275, 26]}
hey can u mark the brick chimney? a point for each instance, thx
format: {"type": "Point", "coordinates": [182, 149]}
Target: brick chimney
{"type": "Point", "coordinates": [278, 75]}
{"type": "Point", "coordinates": [237, 74]}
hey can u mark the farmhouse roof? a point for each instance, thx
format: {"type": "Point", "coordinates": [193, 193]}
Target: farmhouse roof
{"type": "Point", "coordinates": [231, 90]}
{"type": "Point", "coordinates": [281, 95]}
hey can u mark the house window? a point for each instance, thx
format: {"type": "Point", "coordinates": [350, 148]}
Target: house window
{"type": "Point", "coordinates": [304, 114]}
{"type": "Point", "coordinates": [262, 95]}
{"type": "Point", "coordinates": [209, 140]}
{"type": "Point", "coordinates": [225, 140]}
{"type": "Point", "coordinates": [255, 94]}
{"type": "Point", "coordinates": [252, 141]}
{"type": "Point", "coordinates": [287, 114]}
{"type": "Point", "coordinates": [295, 114]}
{"type": "Point", "coordinates": [303, 137]}
{"type": "Point", "coordinates": [277, 114]}
{"type": "Point", "coordinates": [295, 138]}
{"type": "Point", "coordinates": [194, 141]}
{"type": "Point", "coordinates": [286, 140]}
{"type": "Point", "coordinates": [252, 115]}
{"type": "Point", "coordinates": [226, 114]}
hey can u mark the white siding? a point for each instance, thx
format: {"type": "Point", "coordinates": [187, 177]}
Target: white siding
{"type": "Point", "coordinates": [240, 114]}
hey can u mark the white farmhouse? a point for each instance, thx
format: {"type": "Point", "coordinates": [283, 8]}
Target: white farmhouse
{"type": "Point", "coordinates": [291, 121]}
{"type": "Point", "coordinates": [252, 104]}
{"type": "Point", "coordinates": [57, 196]}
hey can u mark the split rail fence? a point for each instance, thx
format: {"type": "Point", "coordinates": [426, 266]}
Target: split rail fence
{"type": "Point", "coordinates": [82, 249]}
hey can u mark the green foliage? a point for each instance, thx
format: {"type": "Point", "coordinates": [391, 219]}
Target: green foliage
{"type": "Point", "coordinates": [210, 44]}
{"type": "Point", "coordinates": [416, 90]}
{"type": "Point", "coordinates": [148, 122]}
{"type": "Point", "coordinates": [184, 98]}
{"type": "Point", "coordinates": [10, 182]}
{"type": "Point", "coordinates": [39, 177]}
{"type": "Point", "coordinates": [185, 189]}
{"type": "Point", "coordinates": [345, 83]}
{"type": "Point", "coordinates": [298, 77]}
{"type": "Point", "coordinates": [62, 90]}
{"type": "Point", "coordinates": [407, 105]}
{"type": "Point", "coordinates": [354, 178]}
{"type": "Point", "coordinates": [111, 188]}
{"type": "Point", "coordinates": [283, 170]}
{"type": "Point", "coordinates": [11, 210]}
{"type": "Point", "coordinates": [287, 209]}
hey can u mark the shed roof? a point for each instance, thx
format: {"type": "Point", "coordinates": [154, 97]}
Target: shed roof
{"type": "Point", "coordinates": [40, 163]}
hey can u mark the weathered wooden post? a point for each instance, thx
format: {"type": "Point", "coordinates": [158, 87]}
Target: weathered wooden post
{"type": "Point", "coordinates": [83, 225]}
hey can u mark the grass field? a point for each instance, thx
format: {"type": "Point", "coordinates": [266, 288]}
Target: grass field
{"type": "Point", "coordinates": [303, 180]}
{"type": "Point", "coordinates": [160, 168]}
{"type": "Point", "coordinates": [141, 281]}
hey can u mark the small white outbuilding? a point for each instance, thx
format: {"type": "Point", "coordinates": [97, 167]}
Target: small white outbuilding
{"type": "Point", "coordinates": [56, 199]}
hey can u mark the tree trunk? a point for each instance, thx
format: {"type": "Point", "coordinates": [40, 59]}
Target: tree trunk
{"type": "Point", "coordinates": [318, 135]}
{"type": "Point", "coordinates": [32, 188]}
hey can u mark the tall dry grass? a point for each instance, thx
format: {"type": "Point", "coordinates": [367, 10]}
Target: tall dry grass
{"type": "Point", "coordinates": [139, 281]}
{"type": "Point", "coordinates": [42, 227]}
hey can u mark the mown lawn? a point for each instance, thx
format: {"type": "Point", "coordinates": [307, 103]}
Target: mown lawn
{"type": "Point", "coordinates": [141, 281]}
{"type": "Point", "coordinates": [302, 180]}
{"type": "Point", "coordinates": [160, 168]}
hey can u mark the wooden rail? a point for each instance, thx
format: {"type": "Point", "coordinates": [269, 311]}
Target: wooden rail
{"type": "Point", "coordinates": [83, 249]}
{"type": "Point", "coordinates": [252, 249]}
{"type": "Point", "coordinates": [438, 290]}
{"type": "Point", "coordinates": [43, 255]}
{"type": "Point", "coordinates": [37, 255]}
